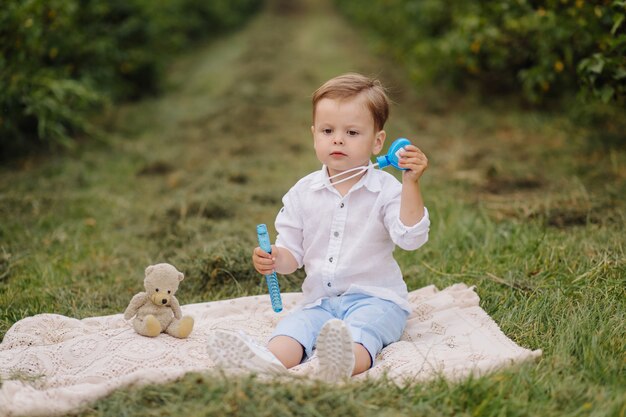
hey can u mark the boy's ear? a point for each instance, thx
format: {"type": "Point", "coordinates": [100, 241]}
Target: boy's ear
{"type": "Point", "coordinates": [379, 141]}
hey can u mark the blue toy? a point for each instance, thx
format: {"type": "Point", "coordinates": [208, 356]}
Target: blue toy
{"type": "Point", "coordinates": [392, 158]}
{"type": "Point", "coordinates": [272, 280]}
{"type": "Point", "coordinates": [392, 154]}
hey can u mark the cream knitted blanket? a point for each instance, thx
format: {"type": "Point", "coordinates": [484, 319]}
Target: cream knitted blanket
{"type": "Point", "coordinates": [52, 364]}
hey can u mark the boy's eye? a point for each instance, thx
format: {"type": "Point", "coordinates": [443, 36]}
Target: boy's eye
{"type": "Point", "coordinates": [352, 133]}
{"type": "Point", "coordinates": [327, 131]}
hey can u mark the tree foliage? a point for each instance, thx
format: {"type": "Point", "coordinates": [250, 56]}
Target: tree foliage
{"type": "Point", "coordinates": [60, 59]}
{"type": "Point", "coordinates": [541, 48]}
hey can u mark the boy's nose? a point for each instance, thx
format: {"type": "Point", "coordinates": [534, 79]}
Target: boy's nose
{"type": "Point", "coordinates": [338, 139]}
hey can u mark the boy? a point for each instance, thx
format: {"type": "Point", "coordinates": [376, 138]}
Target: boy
{"type": "Point", "coordinates": [354, 296]}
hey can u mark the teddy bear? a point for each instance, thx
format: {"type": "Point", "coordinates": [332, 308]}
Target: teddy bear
{"type": "Point", "coordinates": [157, 310]}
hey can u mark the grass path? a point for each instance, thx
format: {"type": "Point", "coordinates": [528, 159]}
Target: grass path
{"type": "Point", "coordinates": [521, 206]}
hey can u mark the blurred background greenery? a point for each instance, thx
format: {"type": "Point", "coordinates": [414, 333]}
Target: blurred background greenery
{"type": "Point", "coordinates": [63, 60]}
{"type": "Point", "coordinates": [539, 49]}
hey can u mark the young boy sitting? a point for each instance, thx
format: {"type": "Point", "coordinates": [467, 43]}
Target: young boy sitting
{"type": "Point", "coordinates": [343, 233]}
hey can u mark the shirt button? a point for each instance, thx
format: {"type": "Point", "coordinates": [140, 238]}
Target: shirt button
{"type": "Point", "coordinates": [336, 234]}
{"type": "Point", "coordinates": [329, 284]}
{"type": "Point", "coordinates": [341, 206]}
{"type": "Point", "coordinates": [330, 259]}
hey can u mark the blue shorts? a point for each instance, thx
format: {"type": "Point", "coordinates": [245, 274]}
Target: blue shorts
{"type": "Point", "coordinates": [373, 322]}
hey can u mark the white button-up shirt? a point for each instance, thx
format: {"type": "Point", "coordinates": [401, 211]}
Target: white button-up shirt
{"type": "Point", "coordinates": [346, 243]}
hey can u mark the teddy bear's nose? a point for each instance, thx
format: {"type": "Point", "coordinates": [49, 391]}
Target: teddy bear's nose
{"type": "Point", "coordinates": [164, 301]}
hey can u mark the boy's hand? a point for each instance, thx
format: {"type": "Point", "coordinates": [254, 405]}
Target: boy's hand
{"type": "Point", "coordinates": [264, 263]}
{"type": "Point", "coordinates": [413, 158]}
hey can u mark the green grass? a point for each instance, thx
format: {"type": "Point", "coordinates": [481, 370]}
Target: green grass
{"type": "Point", "coordinates": [522, 204]}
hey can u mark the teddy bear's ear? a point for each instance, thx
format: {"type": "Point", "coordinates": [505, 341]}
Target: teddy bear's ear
{"type": "Point", "coordinates": [181, 276]}
{"type": "Point", "coordinates": [149, 269]}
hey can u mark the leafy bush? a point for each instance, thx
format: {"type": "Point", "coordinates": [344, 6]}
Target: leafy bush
{"type": "Point", "coordinates": [59, 59]}
{"type": "Point", "coordinates": [543, 48]}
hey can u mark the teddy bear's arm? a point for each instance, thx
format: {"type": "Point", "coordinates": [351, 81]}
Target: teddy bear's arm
{"type": "Point", "coordinates": [137, 301]}
{"type": "Point", "coordinates": [176, 308]}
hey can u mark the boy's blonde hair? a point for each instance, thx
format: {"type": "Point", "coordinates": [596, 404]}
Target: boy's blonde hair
{"type": "Point", "coordinates": [352, 84]}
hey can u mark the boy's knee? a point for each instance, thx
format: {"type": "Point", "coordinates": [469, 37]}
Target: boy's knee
{"type": "Point", "coordinates": [369, 339]}
{"type": "Point", "coordinates": [363, 359]}
{"type": "Point", "coordinates": [287, 349]}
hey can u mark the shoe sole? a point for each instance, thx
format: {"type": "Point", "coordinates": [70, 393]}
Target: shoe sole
{"type": "Point", "coordinates": [229, 351]}
{"type": "Point", "coordinates": [334, 350]}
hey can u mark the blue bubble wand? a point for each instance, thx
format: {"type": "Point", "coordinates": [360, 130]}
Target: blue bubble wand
{"type": "Point", "coordinates": [271, 279]}
{"type": "Point", "coordinates": [391, 158]}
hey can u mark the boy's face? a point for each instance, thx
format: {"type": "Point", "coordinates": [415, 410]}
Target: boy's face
{"type": "Point", "coordinates": [344, 135]}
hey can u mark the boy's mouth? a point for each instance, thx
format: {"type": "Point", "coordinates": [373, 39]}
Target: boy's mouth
{"type": "Point", "coordinates": [337, 154]}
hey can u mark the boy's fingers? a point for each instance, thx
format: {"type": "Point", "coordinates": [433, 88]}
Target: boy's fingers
{"type": "Point", "coordinates": [411, 148]}
{"type": "Point", "coordinates": [413, 156]}
{"type": "Point", "coordinates": [267, 264]}
{"type": "Point", "coordinates": [261, 253]}
{"type": "Point", "coordinates": [263, 266]}
{"type": "Point", "coordinates": [264, 269]}
{"type": "Point", "coordinates": [413, 163]}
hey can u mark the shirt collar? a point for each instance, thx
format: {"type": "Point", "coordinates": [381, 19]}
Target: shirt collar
{"type": "Point", "coordinates": [370, 180]}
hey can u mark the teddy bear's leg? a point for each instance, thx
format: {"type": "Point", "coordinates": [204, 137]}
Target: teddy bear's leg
{"type": "Point", "coordinates": [149, 326]}
{"type": "Point", "coordinates": [180, 328]}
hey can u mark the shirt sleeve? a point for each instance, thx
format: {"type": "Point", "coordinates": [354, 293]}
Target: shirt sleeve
{"type": "Point", "coordinates": [406, 237]}
{"type": "Point", "coordinates": [289, 227]}
{"type": "Point", "coordinates": [410, 237]}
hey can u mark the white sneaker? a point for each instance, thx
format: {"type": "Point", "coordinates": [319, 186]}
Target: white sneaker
{"type": "Point", "coordinates": [334, 350]}
{"type": "Point", "coordinates": [233, 351]}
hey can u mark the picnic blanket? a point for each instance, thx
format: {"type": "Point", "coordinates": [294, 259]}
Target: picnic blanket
{"type": "Point", "coordinates": [52, 364]}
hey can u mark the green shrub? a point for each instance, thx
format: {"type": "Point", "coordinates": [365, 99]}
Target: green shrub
{"type": "Point", "coordinates": [37, 95]}
{"type": "Point", "coordinates": [542, 48]}
{"type": "Point", "coordinates": [59, 59]}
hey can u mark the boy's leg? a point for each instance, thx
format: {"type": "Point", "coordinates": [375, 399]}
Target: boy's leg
{"type": "Point", "coordinates": [335, 351]}
{"type": "Point", "coordinates": [374, 323]}
{"type": "Point", "coordinates": [295, 335]}
{"type": "Point", "coordinates": [287, 349]}
{"type": "Point", "coordinates": [234, 351]}
{"type": "Point", "coordinates": [362, 359]}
